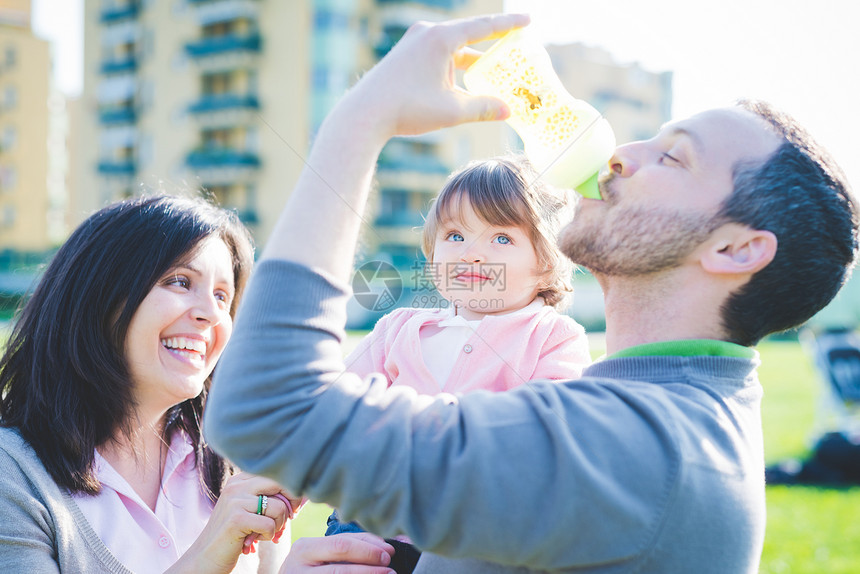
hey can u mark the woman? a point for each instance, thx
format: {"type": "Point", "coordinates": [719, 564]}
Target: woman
{"type": "Point", "coordinates": [104, 380]}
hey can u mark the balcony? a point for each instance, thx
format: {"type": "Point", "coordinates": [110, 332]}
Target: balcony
{"type": "Point", "coordinates": [127, 64]}
{"type": "Point", "coordinates": [444, 4]}
{"type": "Point", "coordinates": [113, 14]}
{"type": "Point", "coordinates": [221, 2]}
{"type": "Point", "coordinates": [117, 167]}
{"type": "Point", "coordinates": [418, 163]}
{"type": "Point", "coordinates": [219, 102]}
{"type": "Point", "coordinates": [248, 216]}
{"type": "Point", "coordinates": [223, 44]}
{"type": "Point", "coordinates": [383, 47]}
{"type": "Point", "coordinates": [213, 157]}
{"type": "Point", "coordinates": [118, 115]}
{"type": "Point", "coordinates": [391, 34]}
{"type": "Point", "coordinates": [405, 218]}
{"type": "Point", "coordinates": [214, 11]}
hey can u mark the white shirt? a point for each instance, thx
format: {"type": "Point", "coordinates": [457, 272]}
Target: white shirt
{"type": "Point", "coordinates": [440, 346]}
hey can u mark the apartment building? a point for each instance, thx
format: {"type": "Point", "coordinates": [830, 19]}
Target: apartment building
{"type": "Point", "coordinates": [635, 101]}
{"type": "Point", "coordinates": [25, 67]}
{"type": "Point", "coordinates": [226, 95]}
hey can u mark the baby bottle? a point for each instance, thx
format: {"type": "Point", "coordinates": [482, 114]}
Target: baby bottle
{"type": "Point", "coordinates": [566, 139]}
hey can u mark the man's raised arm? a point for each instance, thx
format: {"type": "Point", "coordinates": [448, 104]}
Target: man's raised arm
{"type": "Point", "coordinates": [410, 91]}
{"type": "Point", "coordinates": [285, 349]}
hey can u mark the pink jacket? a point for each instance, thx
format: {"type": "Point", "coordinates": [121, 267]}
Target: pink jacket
{"type": "Point", "coordinates": [504, 352]}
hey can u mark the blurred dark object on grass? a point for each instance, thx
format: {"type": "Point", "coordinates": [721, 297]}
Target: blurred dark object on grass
{"type": "Point", "coordinates": [834, 462]}
{"type": "Point", "coordinates": [835, 457]}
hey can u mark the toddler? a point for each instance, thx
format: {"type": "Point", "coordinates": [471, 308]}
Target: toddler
{"type": "Point", "coordinates": [489, 240]}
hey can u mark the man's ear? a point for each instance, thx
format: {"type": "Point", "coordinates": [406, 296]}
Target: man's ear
{"type": "Point", "coordinates": [738, 249]}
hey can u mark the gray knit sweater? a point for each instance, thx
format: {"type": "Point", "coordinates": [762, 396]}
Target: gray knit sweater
{"type": "Point", "coordinates": [646, 464]}
{"type": "Point", "coordinates": [42, 530]}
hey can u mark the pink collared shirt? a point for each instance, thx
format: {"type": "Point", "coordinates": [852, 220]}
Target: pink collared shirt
{"type": "Point", "coordinates": [498, 353]}
{"type": "Point", "coordinates": [147, 541]}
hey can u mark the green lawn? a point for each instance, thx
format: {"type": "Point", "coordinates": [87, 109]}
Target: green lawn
{"type": "Point", "coordinates": [809, 530]}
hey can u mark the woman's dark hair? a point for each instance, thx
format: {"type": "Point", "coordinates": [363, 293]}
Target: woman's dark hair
{"type": "Point", "coordinates": [802, 197]}
{"type": "Point", "coordinates": [64, 378]}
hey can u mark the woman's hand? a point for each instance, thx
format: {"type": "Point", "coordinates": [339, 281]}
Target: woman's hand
{"type": "Point", "coordinates": [235, 525]}
{"type": "Point", "coordinates": [292, 505]}
{"type": "Point", "coordinates": [360, 553]}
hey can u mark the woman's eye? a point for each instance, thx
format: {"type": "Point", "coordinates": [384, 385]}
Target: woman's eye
{"type": "Point", "coordinates": [179, 281]}
{"type": "Point", "coordinates": [223, 297]}
{"type": "Point", "coordinates": [502, 239]}
{"type": "Point", "coordinates": [668, 158]}
{"type": "Point", "coordinates": [454, 236]}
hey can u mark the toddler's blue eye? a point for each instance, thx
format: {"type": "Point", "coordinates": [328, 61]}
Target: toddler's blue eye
{"type": "Point", "coordinates": [503, 240]}
{"type": "Point", "coordinates": [455, 237]}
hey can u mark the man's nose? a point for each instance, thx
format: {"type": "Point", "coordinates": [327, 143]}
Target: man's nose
{"type": "Point", "coordinates": [628, 158]}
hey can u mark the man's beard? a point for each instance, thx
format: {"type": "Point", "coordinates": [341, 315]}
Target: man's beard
{"type": "Point", "coordinates": [632, 241]}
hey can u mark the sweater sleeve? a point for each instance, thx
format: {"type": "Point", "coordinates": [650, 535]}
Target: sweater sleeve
{"type": "Point", "coordinates": [27, 542]}
{"type": "Point", "coordinates": [512, 477]}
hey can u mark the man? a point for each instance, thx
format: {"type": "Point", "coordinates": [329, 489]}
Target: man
{"type": "Point", "coordinates": [724, 227]}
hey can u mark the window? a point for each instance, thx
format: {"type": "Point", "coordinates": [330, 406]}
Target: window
{"type": "Point", "coordinates": [220, 29]}
{"type": "Point", "coordinates": [10, 97]}
{"type": "Point", "coordinates": [8, 178]}
{"type": "Point", "coordinates": [221, 194]}
{"type": "Point", "coordinates": [216, 138]}
{"type": "Point", "coordinates": [393, 202]}
{"type": "Point", "coordinates": [217, 83]}
{"type": "Point", "coordinates": [251, 197]}
{"type": "Point", "coordinates": [327, 19]}
{"type": "Point", "coordinates": [9, 138]}
{"type": "Point", "coordinates": [148, 43]}
{"type": "Point", "coordinates": [11, 57]}
{"type": "Point", "coordinates": [126, 52]}
{"type": "Point", "coordinates": [146, 150]}
{"type": "Point", "coordinates": [8, 216]}
{"type": "Point", "coordinates": [147, 95]}
{"type": "Point", "coordinates": [320, 78]}
{"type": "Point", "coordinates": [252, 139]}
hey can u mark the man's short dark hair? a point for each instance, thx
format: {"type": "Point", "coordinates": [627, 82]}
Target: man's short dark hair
{"type": "Point", "coordinates": [802, 197]}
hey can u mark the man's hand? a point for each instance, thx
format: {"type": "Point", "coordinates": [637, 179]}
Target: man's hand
{"type": "Point", "coordinates": [412, 90]}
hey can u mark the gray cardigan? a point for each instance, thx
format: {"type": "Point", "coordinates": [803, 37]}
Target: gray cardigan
{"type": "Point", "coordinates": [42, 530]}
{"type": "Point", "coordinates": [646, 464]}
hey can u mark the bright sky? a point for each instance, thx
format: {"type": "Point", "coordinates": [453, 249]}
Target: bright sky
{"type": "Point", "coordinates": [800, 55]}
{"type": "Point", "coordinates": [62, 22]}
